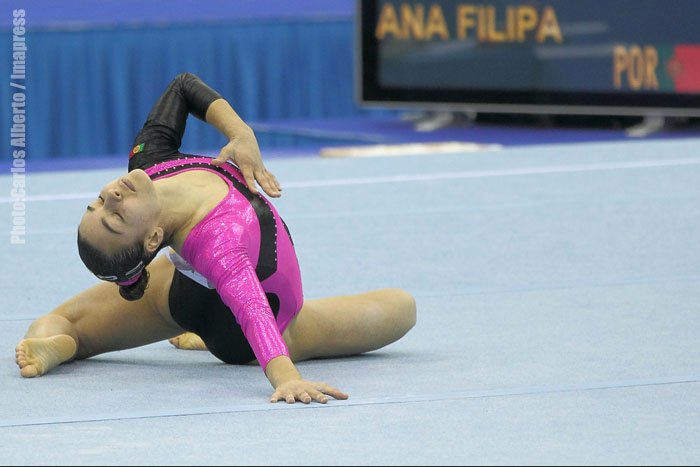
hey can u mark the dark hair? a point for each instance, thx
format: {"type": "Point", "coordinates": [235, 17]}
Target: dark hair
{"type": "Point", "coordinates": [116, 267]}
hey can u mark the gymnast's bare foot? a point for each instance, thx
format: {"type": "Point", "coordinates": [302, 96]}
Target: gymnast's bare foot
{"type": "Point", "coordinates": [188, 341]}
{"type": "Point", "coordinates": [39, 355]}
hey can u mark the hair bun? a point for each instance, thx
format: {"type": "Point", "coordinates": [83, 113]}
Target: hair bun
{"type": "Point", "coordinates": [136, 290]}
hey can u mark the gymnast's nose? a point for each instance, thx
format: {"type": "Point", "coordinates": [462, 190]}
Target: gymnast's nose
{"type": "Point", "coordinates": [113, 196]}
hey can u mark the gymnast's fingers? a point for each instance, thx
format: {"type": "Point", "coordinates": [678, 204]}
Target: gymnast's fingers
{"type": "Point", "coordinates": [331, 391]}
{"type": "Point", "coordinates": [220, 159]}
{"type": "Point", "coordinates": [319, 397]}
{"type": "Point", "coordinates": [268, 182]}
{"type": "Point", "coordinates": [286, 396]}
{"type": "Point", "coordinates": [247, 172]}
{"type": "Point", "coordinates": [273, 181]}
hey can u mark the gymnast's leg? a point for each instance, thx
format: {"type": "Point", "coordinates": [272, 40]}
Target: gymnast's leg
{"type": "Point", "coordinates": [339, 326]}
{"type": "Point", "coordinates": [99, 320]}
{"type": "Point", "coordinates": [350, 324]}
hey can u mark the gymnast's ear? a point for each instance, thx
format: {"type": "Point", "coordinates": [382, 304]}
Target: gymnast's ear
{"type": "Point", "coordinates": [154, 240]}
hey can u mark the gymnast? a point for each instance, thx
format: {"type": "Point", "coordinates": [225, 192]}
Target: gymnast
{"type": "Point", "coordinates": [227, 281]}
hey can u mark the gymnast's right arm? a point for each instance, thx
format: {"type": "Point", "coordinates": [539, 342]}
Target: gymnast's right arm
{"type": "Point", "coordinates": [161, 136]}
{"type": "Point", "coordinates": [218, 252]}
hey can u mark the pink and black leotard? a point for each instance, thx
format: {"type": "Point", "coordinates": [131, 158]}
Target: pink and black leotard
{"type": "Point", "coordinates": [242, 247]}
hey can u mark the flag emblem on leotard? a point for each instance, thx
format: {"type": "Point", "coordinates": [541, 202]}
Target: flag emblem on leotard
{"type": "Point", "coordinates": [137, 149]}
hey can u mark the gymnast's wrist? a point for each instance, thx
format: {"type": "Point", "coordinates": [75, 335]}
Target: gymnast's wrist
{"type": "Point", "coordinates": [280, 370]}
{"type": "Point", "coordinates": [244, 133]}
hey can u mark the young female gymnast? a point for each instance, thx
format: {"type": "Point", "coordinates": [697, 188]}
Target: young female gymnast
{"type": "Point", "coordinates": [229, 280]}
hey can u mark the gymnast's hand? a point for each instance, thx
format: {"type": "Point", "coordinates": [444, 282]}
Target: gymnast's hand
{"type": "Point", "coordinates": [245, 153]}
{"type": "Point", "coordinates": [305, 391]}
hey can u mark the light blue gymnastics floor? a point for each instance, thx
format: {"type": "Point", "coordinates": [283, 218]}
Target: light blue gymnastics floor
{"type": "Point", "coordinates": [558, 293]}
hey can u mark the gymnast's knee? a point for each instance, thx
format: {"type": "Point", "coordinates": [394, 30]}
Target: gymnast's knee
{"type": "Point", "coordinates": [405, 307]}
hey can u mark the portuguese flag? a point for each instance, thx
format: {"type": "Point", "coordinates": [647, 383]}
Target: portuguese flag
{"type": "Point", "coordinates": [136, 149]}
{"type": "Point", "coordinates": [682, 68]}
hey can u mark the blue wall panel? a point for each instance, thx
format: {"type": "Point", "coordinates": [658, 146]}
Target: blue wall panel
{"type": "Point", "coordinates": [89, 90]}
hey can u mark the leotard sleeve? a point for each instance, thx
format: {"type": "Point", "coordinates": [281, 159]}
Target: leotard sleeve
{"type": "Point", "coordinates": [216, 248]}
{"type": "Point", "coordinates": [161, 136]}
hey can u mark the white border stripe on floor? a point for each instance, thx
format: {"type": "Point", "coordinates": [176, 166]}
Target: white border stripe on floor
{"type": "Point", "coordinates": [262, 407]}
{"type": "Point", "coordinates": [569, 168]}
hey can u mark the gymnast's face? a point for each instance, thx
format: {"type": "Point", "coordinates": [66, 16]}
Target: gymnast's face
{"type": "Point", "coordinates": [125, 212]}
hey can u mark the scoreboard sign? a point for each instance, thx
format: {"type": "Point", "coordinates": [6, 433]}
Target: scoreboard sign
{"type": "Point", "coordinates": [569, 56]}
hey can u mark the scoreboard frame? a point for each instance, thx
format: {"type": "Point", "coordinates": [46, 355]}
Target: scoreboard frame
{"type": "Point", "coordinates": [370, 92]}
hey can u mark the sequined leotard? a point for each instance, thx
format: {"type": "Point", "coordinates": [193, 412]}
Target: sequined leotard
{"type": "Point", "coordinates": [242, 247]}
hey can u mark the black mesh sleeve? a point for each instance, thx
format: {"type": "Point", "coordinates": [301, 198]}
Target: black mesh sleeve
{"type": "Point", "coordinates": [161, 135]}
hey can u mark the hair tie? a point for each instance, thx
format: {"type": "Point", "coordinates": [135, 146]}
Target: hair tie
{"type": "Point", "coordinates": [130, 281]}
{"type": "Point", "coordinates": [133, 275]}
